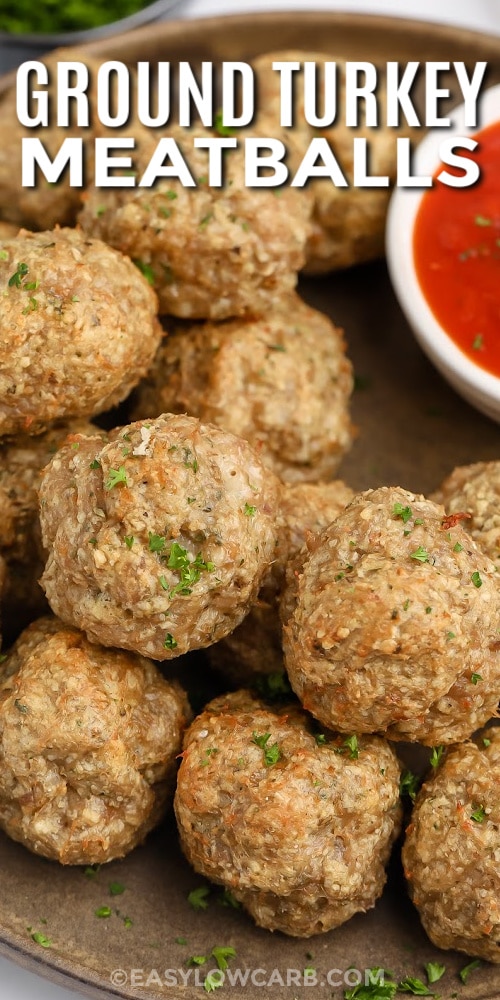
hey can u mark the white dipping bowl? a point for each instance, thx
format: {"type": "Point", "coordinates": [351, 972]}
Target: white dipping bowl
{"type": "Point", "coordinates": [471, 381]}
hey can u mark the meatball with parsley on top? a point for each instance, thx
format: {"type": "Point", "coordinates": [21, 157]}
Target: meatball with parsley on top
{"type": "Point", "coordinates": [391, 626]}
{"type": "Point", "coordinates": [159, 539]}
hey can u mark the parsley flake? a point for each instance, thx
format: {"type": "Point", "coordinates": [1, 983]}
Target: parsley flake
{"type": "Point", "coordinates": [95, 464]}
{"type": "Point", "coordinates": [352, 745]}
{"type": "Point", "coordinates": [478, 342]}
{"type": "Point", "coordinates": [479, 814]}
{"type": "Point", "coordinates": [221, 956]}
{"type": "Point", "coordinates": [476, 579]}
{"type": "Point", "coordinates": [198, 898]}
{"type": "Point", "coordinates": [415, 986]}
{"type": "Point", "coordinates": [467, 969]}
{"type": "Point", "coordinates": [272, 754]}
{"type": "Point", "coordinates": [436, 754]}
{"type": "Point", "coordinates": [409, 784]}
{"type": "Point", "coordinates": [475, 678]}
{"type": "Point", "coordinates": [434, 971]}
{"type": "Point", "coordinates": [103, 912]}
{"type": "Point", "coordinates": [146, 270]}
{"type": "Point", "coordinates": [249, 510]}
{"type": "Point", "coordinates": [403, 512]}
{"type": "Point", "coordinates": [377, 988]}
{"type": "Point", "coordinates": [170, 642]}
{"type": "Point", "coordinates": [156, 542]}
{"type": "Point", "coordinates": [116, 477]}
{"type": "Point", "coordinates": [420, 554]}
{"type": "Point", "coordinates": [224, 131]}
{"type": "Point", "coordinates": [227, 899]}
{"type": "Point", "coordinates": [41, 939]}
{"type": "Point", "coordinates": [129, 541]}
{"type": "Point", "coordinates": [482, 221]}
{"type": "Point", "coordinates": [213, 981]}
{"type": "Point", "coordinates": [116, 889]}
{"type": "Point", "coordinates": [16, 278]}
{"type": "Point", "coordinates": [457, 547]}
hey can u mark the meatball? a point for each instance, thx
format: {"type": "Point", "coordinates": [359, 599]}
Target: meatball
{"type": "Point", "coordinates": [78, 328]}
{"type": "Point", "coordinates": [21, 463]}
{"type": "Point", "coordinates": [348, 224]}
{"type": "Point", "coordinates": [392, 624]}
{"type": "Point", "coordinates": [88, 741]}
{"type": "Point", "coordinates": [159, 539]}
{"type": "Point", "coordinates": [211, 252]}
{"type": "Point", "coordinates": [452, 850]}
{"type": "Point", "coordinates": [474, 490]}
{"type": "Point", "coordinates": [298, 833]}
{"type": "Point", "coordinates": [255, 647]}
{"type": "Point", "coordinates": [282, 382]}
{"type": "Point", "coordinates": [45, 205]}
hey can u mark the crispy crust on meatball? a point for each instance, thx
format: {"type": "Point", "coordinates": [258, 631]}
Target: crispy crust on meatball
{"type": "Point", "coordinates": [299, 833]}
{"type": "Point", "coordinates": [282, 382]}
{"type": "Point", "coordinates": [88, 741]}
{"type": "Point", "coordinates": [255, 647]}
{"type": "Point", "coordinates": [393, 623]}
{"type": "Point", "coordinates": [78, 328]}
{"type": "Point", "coordinates": [212, 252]}
{"type": "Point", "coordinates": [452, 850]}
{"type": "Point", "coordinates": [474, 490]}
{"type": "Point", "coordinates": [159, 539]}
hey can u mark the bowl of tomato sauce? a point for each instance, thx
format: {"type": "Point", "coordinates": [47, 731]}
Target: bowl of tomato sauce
{"type": "Point", "coordinates": [443, 251]}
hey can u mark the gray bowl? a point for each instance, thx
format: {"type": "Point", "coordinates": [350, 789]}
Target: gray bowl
{"type": "Point", "coordinates": [15, 49]}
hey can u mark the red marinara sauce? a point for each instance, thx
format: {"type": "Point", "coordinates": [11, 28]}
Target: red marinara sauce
{"type": "Point", "coordinates": [456, 248]}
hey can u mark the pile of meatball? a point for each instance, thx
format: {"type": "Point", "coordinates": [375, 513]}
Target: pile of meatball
{"type": "Point", "coordinates": [203, 514]}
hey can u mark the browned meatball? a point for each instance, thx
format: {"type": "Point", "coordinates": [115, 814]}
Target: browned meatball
{"type": "Point", "coordinates": [21, 462]}
{"type": "Point", "coordinates": [78, 328]}
{"type": "Point", "coordinates": [211, 252]}
{"type": "Point", "coordinates": [298, 828]}
{"type": "Point", "coordinates": [393, 623]}
{"type": "Point", "coordinates": [452, 850]}
{"type": "Point", "coordinates": [88, 741]}
{"type": "Point", "coordinates": [255, 647]}
{"type": "Point", "coordinates": [474, 490]}
{"type": "Point", "coordinates": [159, 539]}
{"type": "Point", "coordinates": [45, 205]}
{"type": "Point", "coordinates": [282, 382]}
{"type": "Point", "coordinates": [348, 223]}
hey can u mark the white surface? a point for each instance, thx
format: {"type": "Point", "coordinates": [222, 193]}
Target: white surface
{"type": "Point", "coordinates": [483, 15]}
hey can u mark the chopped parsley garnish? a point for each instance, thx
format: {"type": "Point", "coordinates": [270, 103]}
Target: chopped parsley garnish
{"type": "Point", "coordinates": [164, 584]}
{"type": "Point", "coordinates": [486, 742]}
{"type": "Point", "coordinates": [4, 255]}
{"type": "Point", "coordinates": [457, 547]}
{"type": "Point", "coordinates": [434, 971]}
{"type": "Point", "coordinates": [189, 571]}
{"type": "Point", "coordinates": [170, 642]}
{"type": "Point", "coordinates": [436, 754]}
{"type": "Point", "coordinates": [146, 270]}
{"type": "Point", "coordinates": [21, 707]}
{"type": "Point", "coordinates": [476, 579]}
{"type": "Point", "coordinates": [420, 554]}
{"type": "Point", "coordinates": [197, 960]}
{"type": "Point", "coordinates": [409, 784]}
{"type": "Point", "coordinates": [467, 969]}
{"type": "Point", "coordinates": [221, 956]}
{"type": "Point", "coordinates": [320, 739]}
{"type": "Point", "coordinates": [475, 678]}
{"type": "Point", "coordinates": [227, 899]}
{"type": "Point", "coordinates": [274, 685]}
{"type": "Point", "coordinates": [272, 754]}
{"type": "Point", "coordinates": [91, 871]}
{"type": "Point", "coordinates": [403, 512]}
{"type": "Point", "coordinates": [450, 635]}
{"type": "Point", "coordinates": [198, 898]}
{"type": "Point", "coordinates": [129, 541]}
{"type": "Point", "coordinates": [41, 939]}
{"type": "Point", "coordinates": [249, 510]}
{"type": "Point", "coordinates": [277, 347]}
{"type": "Point", "coordinates": [378, 987]}
{"type": "Point", "coordinates": [156, 542]}
{"type": "Point", "coordinates": [479, 814]}
{"type": "Point", "coordinates": [95, 464]}
{"type": "Point", "coordinates": [16, 278]}
{"type": "Point", "coordinates": [116, 477]}
{"type": "Point", "coordinates": [415, 986]}
{"type": "Point", "coordinates": [352, 745]}
{"type": "Point", "coordinates": [207, 754]}
{"type": "Point", "coordinates": [406, 604]}
{"type": "Point", "coordinates": [482, 221]}
{"type": "Point", "coordinates": [213, 981]}
{"type": "Point", "coordinates": [127, 922]}
{"type": "Point", "coordinates": [478, 342]}
{"type": "Point", "coordinates": [103, 912]}
{"type": "Point", "coordinates": [205, 220]}
{"type": "Point", "coordinates": [223, 130]}
{"type": "Point", "coordinates": [116, 889]}
{"type": "Point", "coordinates": [428, 610]}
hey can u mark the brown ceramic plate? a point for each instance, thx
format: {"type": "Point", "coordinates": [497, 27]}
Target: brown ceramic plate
{"type": "Point", "coordinates": [413, 430]}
